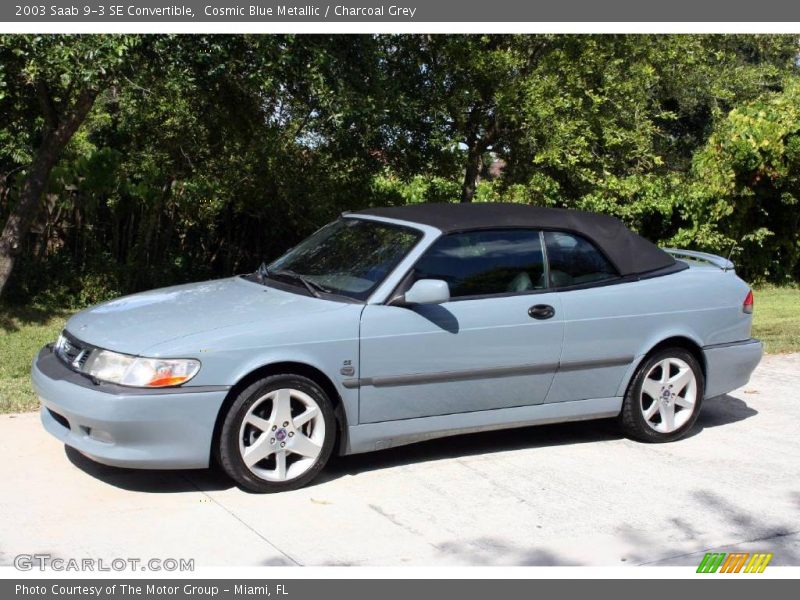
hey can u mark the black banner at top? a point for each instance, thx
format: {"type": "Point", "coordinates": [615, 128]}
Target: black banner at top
{"type": "Point", "coordinates": [439, 11]}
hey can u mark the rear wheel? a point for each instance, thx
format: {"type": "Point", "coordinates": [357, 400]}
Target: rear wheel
{"type": "Point", "coordinates": [278, 434]}
{"type": "Point", "coordinates": [664, 397]}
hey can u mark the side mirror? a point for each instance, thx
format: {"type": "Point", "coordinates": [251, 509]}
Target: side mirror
{"type": "Point", "coordinates": [425, 291]}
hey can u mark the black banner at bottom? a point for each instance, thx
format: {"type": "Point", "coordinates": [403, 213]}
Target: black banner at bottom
{"type": "Point", "coordinates": [386, 589]}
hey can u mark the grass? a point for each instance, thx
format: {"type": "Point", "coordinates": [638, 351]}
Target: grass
{"type": "Point", "coordinates": [24, 330]}
{"type": "Point", "coordinates": [776, 318]}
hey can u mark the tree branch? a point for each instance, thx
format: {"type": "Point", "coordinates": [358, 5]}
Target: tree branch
{"type": "Point", "coordinates": [53, 143]}
{"type": "Point", "coordinates": [48, 106]}
{"type": "Point", "coordinates": [76, 115]}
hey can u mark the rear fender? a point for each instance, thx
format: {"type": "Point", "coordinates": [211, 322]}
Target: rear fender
{"type": "Point", "coordinates": [682, 336]}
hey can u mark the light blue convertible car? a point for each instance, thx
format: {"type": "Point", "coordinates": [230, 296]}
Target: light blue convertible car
{"type": "Point", "coordinates": [396, 325]}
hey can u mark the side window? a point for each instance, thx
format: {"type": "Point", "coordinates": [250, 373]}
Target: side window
{"type": "Point", "coordinates": [574, 260]}
{"type": "Point", "coordinates": [480, 263]}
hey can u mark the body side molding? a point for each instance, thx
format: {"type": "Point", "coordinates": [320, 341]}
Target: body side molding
{"type": "Point", "coordinates": [495, 372]}
{"type": "Point", "coordinates": [731, 344]}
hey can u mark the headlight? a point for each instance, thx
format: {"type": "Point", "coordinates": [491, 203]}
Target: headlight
{"type": "Point", "coordinates": [140, 372]}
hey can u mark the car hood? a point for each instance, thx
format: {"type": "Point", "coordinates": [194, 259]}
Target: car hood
{"type": "Point", "coordinates": [132, 324]}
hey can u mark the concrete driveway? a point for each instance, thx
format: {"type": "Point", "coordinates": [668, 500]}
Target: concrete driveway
{"type": "Point", "coordinates": [555, 495]}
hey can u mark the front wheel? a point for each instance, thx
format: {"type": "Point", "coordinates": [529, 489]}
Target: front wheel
{"type": "Point", "coordinates": [278, 434]}
{"type": "Point", "coordinates": [664, 397]}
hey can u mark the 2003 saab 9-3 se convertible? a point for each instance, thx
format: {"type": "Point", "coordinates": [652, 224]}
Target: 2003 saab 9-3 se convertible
{"type": "Point", "coordinates": [396, 325]}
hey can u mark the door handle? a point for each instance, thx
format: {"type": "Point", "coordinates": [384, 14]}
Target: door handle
{"type": "Point", "coordinates": [541, 311]}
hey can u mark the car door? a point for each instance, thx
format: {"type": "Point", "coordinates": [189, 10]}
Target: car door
{"type": "Point", "coordinates": [599, 330]}
{"type": "Point", "coordinates": [495, 344]}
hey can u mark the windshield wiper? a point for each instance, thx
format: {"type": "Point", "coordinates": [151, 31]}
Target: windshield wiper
{"type": "Point", "coordinates": [260, 275]}
{"type": "Point", "coordinates": [262, 272]}
{"type": "Point", "coordinates": [312, 286]}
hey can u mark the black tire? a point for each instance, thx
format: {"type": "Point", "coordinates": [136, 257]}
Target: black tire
{"type": "Point", "coordinates": [631, 418]}
{"type": "Point", "coordinates": [229, 453]}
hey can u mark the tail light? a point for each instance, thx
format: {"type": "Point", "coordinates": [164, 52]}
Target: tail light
{"type": "Point", "coordinates": [747, 305]}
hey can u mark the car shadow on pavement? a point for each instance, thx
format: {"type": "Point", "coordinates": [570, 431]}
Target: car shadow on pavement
{"type": "Point", "coordinates": [722, 410]}
{"type": "Point", "coordinates": [473, 444]}
{"type": "Point", "coordinates": [716, 412]}
{"type": "Point", "coordinates": [152, 480]}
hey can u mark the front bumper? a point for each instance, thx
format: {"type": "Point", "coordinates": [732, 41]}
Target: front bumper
{"type": "Point", "coordinates": [170, 428]}
{"type": "Point", "coordinates": [729, 366]}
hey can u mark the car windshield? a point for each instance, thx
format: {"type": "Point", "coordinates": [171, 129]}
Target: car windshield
{"type": "Point", "coordinates": [349, 257]}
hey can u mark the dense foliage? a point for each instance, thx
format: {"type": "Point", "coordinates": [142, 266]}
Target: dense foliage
{"type": "Point", "coordinates": [202, 155]}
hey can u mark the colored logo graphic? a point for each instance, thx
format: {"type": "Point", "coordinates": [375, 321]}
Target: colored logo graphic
{"type": "Point", "coordinates": [736, 562]}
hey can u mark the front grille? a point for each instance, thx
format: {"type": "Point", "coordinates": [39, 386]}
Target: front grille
{"type": "Point", "coordinates": [72, 351]}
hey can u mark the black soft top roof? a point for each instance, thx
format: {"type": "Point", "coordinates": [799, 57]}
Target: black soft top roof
{"type": "Point", "coordinates": [630, 253]}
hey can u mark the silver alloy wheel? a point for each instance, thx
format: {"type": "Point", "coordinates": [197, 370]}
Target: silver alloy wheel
{"type": "Point", "coordinates": [669, 395]}
{"type": "Point", "coordinates": [282, 435]}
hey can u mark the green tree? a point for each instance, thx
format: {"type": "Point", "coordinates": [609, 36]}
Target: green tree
{"type": "Point", "coordinates": [62, 75]}
{"type": "Point", "coordinates": [610, 123]}
{"type": "Point", "coordinates": [471, 89]}
{"type": "Point", "coordinates": [745, 187]}
{"type": "Point", "coordinates": [203, 155]}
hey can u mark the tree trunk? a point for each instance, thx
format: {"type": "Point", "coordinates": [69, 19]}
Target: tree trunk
{"type": "Point", "coordinates": [475, 148]}
{"type": "Point", "coordinates": [477, 143]}
{"type": "Point", "coordinates": [473, 170]}
{"type": "Point", "coordinates": [58, 132]}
